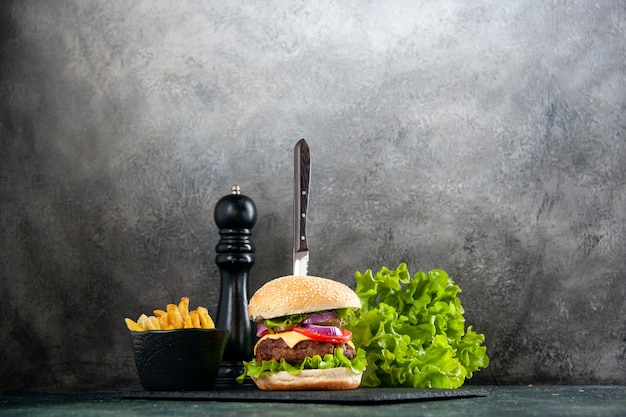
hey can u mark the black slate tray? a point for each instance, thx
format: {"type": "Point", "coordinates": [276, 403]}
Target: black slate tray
{"type": "Point", "coordinates": [364, 396]}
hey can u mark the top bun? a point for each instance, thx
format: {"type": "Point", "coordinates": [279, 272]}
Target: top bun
{"type": "Point", "coordinates": [300, 294]}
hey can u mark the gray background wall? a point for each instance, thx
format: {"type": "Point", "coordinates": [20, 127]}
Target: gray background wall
{"type": "Point", "coordinates": [485, 138]}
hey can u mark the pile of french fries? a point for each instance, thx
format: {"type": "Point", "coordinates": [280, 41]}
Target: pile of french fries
{"type": "Point", "coordinates": [173, 317]}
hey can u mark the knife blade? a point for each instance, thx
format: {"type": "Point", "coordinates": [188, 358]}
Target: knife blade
{"type": "Point", "coordinates": [302, 177]}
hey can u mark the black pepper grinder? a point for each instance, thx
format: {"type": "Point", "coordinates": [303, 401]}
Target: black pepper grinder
{"type": "Point", "coordinates": [235, 216]}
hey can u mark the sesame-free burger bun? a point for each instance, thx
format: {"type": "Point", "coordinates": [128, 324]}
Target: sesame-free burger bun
{"type": "Point", "coordinates": [299, 294]}
{"type": "Point", "coordinates": [309, 379]}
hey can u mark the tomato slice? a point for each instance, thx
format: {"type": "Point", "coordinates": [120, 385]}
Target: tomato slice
{"type": "Point", "coordinates": [346, 335]}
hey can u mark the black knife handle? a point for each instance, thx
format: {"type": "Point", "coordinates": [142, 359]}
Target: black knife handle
{"type": "Point", "coordinates": [302, 177]}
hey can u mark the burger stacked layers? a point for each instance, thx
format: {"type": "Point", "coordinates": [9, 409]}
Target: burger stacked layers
{"type": "Point", "coordinates": [302, 344]}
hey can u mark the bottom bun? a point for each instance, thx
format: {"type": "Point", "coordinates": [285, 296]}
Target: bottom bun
{"type": "Point", "coordinates": [309, 379]}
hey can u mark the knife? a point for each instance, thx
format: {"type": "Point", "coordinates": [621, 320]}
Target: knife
{"type": "Point", "coordinates": [302, 177]}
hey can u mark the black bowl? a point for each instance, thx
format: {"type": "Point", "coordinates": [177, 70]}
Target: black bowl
{"type": "Point", "coordinates": [182, 359]}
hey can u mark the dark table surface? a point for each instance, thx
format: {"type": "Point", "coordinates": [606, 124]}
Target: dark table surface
{"type": "Point", "coordinates": [494, 401]}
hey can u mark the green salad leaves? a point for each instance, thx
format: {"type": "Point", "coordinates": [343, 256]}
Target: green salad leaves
{"type": "Point", "coordinates": [413, 330]}
{"type": "Point", "coordinates": [335, 360]}
{"type": "Point", "coordinates": [284, 321]}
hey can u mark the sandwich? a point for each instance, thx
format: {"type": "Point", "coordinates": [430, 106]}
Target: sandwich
{"type": "Point", "coordinates": [302, 343]}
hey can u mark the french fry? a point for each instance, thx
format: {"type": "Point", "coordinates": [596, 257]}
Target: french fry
{"type": "Point", "coordinates": [159, 313]}
{"type": "Point", "coordinates": [133, 326]}
{"type": "Point", "coordinates": [174, 316]}
{"type": "Point", "coordinates": [163, 322]}
{"type": "Point", "coordinates": [205, 319]}
{"type": "Point", "coordinates": [143, 321]}
{"type": "Point", "coordinates": [195, 319]}
{"type": "Point", "coordinates": [153, 323]}
{"type": "Point", "coordinates": [183, 307]}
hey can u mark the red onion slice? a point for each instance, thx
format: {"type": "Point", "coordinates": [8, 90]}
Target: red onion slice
{"type": "Point", "coordinates": [324, 330]}
{"type": "Point", "coordinates": [261, 328]}
{"type": "Point", "coordinates": [319, 318]}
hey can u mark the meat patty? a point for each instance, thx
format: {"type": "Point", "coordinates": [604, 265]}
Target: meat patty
{"type": "Point", "coordinates": [277, 349]}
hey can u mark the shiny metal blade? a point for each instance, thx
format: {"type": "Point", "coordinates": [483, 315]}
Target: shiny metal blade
{"type": "Point", "coordinates": [301, 263]}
